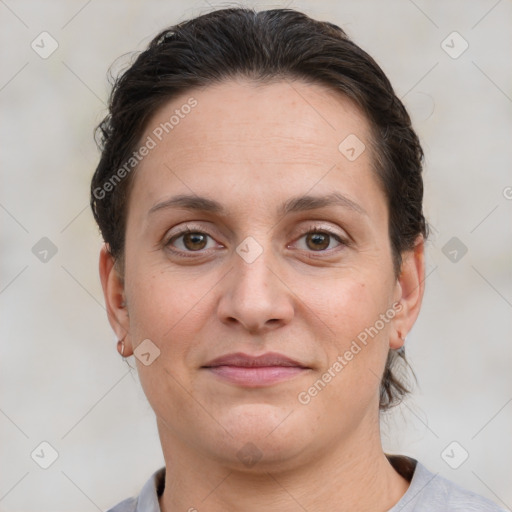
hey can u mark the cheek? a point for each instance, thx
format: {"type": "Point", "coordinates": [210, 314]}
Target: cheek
{"type": "Point", "coordinates": [357, 314]}
{"type": "Point", "coordinates": [164, 301]}
{"type": "Point", "coordinates": [350, 304]}
{"type": "Point", "coordinates": [168, 311]}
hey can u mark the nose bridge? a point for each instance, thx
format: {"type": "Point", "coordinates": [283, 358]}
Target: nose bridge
{"type": "Point", "coordinates": [253, 276]}
{"type": "Point", "coordinates": [255, 297]}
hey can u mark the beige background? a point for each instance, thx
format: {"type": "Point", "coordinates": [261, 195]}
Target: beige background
{"type": "Point", "coordinates": [61, 379]}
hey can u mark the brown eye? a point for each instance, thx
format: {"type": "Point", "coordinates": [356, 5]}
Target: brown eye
{"type": "Point", "coordinates": [318, 241]}
{"type": "Point", "coordinates": [189, 241]}
{"type": "Point", "coordinates": [194, 241]}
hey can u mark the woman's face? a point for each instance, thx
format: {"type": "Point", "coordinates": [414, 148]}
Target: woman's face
{"type": "Point", "coordinates": [260, 167]}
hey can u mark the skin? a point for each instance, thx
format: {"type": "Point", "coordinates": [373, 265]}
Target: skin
{"type": "Point", "coordinates": [251, 148]}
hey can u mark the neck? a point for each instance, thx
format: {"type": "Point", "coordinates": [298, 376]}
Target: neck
{"type": "Point", "coordinates": [351, 475]}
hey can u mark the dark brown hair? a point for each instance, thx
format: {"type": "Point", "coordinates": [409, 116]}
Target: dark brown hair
{"type": "Point", "coordinates": [262, 46]}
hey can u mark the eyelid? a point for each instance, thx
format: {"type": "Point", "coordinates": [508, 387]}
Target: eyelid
{"type": "Point", "coordinates": [185, 229]}
{"type": "Point", "coordinates": [190, 227]}
{"type": "Point", "coordinates": [343, 240]}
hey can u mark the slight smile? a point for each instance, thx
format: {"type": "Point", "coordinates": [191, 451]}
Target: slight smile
{"type": "Point", "coordinates": [255, 371]}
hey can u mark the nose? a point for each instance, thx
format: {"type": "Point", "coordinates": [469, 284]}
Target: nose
{"type": "Point", "coordinates": [255, 296]}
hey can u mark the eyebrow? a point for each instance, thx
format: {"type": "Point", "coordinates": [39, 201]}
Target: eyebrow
{"type": "Point", "coordinates": [293, 205]}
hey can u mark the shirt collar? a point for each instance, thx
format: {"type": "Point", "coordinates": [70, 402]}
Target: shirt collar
{"type": "Point", "coordinates": [152, 490]}
{"type": "Point", "coordinates": [154, 487]}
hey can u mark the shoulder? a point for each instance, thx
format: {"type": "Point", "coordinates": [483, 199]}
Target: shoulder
{"type": "Point", "coordinates": [430, 492]}
{"type": "Point", "coordinates": [457, 499]}
{"type": "Point", "coordinates": [147, 501]}
{"type": "Point", "coordinates": [128, 505]}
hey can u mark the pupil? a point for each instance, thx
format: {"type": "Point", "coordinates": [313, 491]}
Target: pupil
{"type": "Point", "coordinates": [320, 241]}
{"type": "Point", "coordinates": [319, 237]}
{"type": "Point", "coordinates": [195, 239]}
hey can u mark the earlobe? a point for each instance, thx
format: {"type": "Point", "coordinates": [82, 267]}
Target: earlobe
{"type": "Point", "coordinates": [410, 289]}
{"type": "Point", "coordinates": [115, 301]}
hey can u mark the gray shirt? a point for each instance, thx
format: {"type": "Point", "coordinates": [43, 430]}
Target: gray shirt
{"type": "Point", "coordinates": [427, 492]}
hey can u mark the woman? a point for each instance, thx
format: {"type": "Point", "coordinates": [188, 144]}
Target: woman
{"type": "Point", "coordinates": [260, 197]}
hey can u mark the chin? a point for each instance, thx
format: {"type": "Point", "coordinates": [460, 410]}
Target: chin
{"type": "Point", "coordinates": [263, 437]}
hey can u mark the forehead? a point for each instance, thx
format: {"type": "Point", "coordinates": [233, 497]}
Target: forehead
{"type": "Point", "coordinates": [284, 112]}
{"type": "Point", "coordinates": [250, 138]}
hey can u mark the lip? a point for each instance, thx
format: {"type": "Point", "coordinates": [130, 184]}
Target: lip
{"type": "Point", "coordinates": [255, 371]}
{"type": "Point", "coordinates": [248, 361]}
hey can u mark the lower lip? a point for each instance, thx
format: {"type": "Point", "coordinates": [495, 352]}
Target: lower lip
{"type": "Point", "coordinates": [256, 376]}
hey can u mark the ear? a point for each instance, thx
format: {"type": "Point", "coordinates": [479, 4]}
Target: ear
{"type": "Point", "coordinates": [410, 287]}
{"type": "Point", "coordinates": [113, 291]}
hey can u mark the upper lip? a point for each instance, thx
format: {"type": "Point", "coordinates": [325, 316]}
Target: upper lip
{"type": "Point", "coordinates": [248, 361]}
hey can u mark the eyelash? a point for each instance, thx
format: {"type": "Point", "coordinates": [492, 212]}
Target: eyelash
{"type": "Point", "coordinates": [313, 229]}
